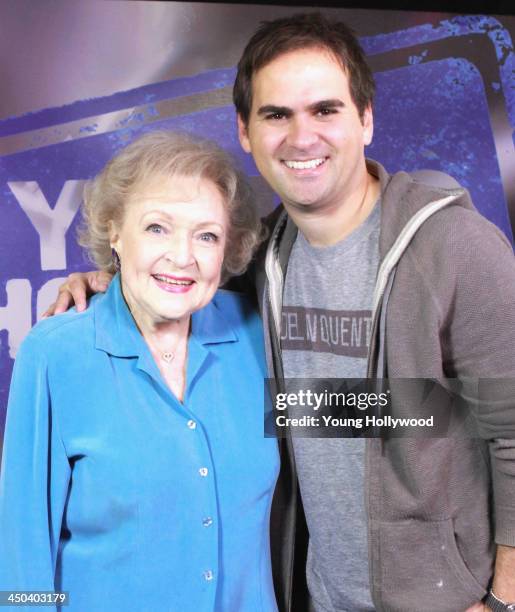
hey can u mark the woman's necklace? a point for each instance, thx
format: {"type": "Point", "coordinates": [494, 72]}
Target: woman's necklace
{"type": "Point", "coordinates": [167, 355]}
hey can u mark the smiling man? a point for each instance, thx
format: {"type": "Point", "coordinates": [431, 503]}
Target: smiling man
{"type": "Point", "coordinates": [308, 141]}
{"type": "Point", "coordinates": [396, 525]}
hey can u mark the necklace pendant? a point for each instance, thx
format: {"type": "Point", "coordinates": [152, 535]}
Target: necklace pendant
{"type": "Point", "coordinates": [168, 356]}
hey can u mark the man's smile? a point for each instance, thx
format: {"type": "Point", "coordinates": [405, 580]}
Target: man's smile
{"type": "Point", "coordinates": [304, 164]}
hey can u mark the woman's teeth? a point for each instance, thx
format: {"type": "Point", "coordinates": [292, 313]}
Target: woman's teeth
{"type": "Point", "coordinates": [172, 281]}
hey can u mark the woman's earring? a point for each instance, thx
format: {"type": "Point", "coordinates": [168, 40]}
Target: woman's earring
{"type": "Point", "coordinates": [116, 260]}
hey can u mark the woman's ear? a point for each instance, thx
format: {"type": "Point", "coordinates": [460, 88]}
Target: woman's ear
{"type": "Point", "coordinates": [114, 236]}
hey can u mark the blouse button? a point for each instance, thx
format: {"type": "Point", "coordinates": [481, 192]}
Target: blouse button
{"type": "Point", "coordinates": [192, 424]}
{"type": "Point", "coordinates": [207, 522]}
{"type": "Point", "coordinates": [208, 575]}
{"type": "Point", "coordinates": [203, 471]}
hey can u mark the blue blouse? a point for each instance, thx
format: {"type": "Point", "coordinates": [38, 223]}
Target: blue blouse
{"type": "Point", "coordinates": [113, 490]}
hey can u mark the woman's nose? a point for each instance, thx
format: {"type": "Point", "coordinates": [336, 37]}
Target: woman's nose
{"type": "Point", "coordinates": [180, 251]}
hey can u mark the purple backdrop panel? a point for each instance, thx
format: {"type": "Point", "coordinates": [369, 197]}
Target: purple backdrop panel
{"type": "Point", "coordinates": [433, 110]}
{"type": "Point", "coordinates": [436, 116]}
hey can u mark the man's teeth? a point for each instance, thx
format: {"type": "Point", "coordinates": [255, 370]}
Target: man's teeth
{"type": "Point", "coordinates": [172, 281]}
{"type": "Point", "coordinates": [304, 165]}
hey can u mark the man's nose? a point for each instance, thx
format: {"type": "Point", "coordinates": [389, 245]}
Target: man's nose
{"type": "Point", "coordinates": [302, 133]}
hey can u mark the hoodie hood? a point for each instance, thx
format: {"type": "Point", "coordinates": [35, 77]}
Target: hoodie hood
{"type": "Point", "coordinates": [403, 195]}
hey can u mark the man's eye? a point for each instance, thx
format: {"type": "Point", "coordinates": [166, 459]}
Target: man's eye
{"type": "Point", "coordinates": [276, 116]}
{"type": "Point", "coordinates": [154, 228]}
{"type": "Point", "coordinates": [208, 237]}
{"type": "Point", "coordinates": [324, 112]}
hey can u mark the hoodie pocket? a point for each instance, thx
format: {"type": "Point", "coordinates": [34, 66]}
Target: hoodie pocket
{"type": "Point", "coordinates": [422, 569]}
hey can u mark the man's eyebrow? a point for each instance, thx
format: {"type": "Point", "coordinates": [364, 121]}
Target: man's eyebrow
{"type": "Point", "coordinates": [331, 103]}
{"type": "Point", "coordinates": [270, 109]}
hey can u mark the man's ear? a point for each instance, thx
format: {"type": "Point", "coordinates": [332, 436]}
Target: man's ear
{"type": "Point", "coordinates": [243, 134]}
{"type": "Point", "coordinates": [368, 125]}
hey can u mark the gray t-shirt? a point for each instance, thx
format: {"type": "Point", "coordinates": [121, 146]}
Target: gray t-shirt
{"type": "Point", "coordinates": [326, 325]}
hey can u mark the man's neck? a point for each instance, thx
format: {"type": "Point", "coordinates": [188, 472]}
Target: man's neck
{"type": "Point", "coordinates": [331, 225]}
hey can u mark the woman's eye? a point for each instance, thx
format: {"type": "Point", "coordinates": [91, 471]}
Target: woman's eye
{"type": "Point", "coordinates": [154, 228]}
{"type": "Point", "coordinates": [208, 237]}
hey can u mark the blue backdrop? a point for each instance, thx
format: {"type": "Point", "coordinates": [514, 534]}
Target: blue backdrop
{"type": "Point", "coordinates": [438, 106]}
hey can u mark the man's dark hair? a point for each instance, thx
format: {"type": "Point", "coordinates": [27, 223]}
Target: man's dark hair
{"type": "Point", "coordinates": [306, 30]}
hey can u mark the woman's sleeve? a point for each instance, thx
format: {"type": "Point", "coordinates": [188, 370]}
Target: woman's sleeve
{"type": "Point", "coordinates": [34, 477]}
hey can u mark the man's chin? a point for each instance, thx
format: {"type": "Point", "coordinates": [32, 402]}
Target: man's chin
{"type": "Point", "coordinates": [306, 205]}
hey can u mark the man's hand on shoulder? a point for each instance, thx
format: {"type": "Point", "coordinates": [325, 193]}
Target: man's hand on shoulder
{"type": "Point", "coordinates": [75, 291]}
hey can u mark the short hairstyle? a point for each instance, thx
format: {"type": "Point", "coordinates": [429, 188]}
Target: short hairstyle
{"type": "Point", "coordinates": [170, 154]}
{"type": "Point", "coordinates": [301, 31]}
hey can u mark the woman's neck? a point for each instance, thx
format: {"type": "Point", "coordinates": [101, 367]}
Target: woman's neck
{"type": "Point", "coordinates": [168, 344]}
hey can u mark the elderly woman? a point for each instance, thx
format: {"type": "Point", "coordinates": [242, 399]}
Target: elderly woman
{"type": "Point", "coordinates": [135, 473]}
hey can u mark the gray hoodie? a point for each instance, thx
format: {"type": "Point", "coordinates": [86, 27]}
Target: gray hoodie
{"type": "Point", "coordinates": [444, 307]}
